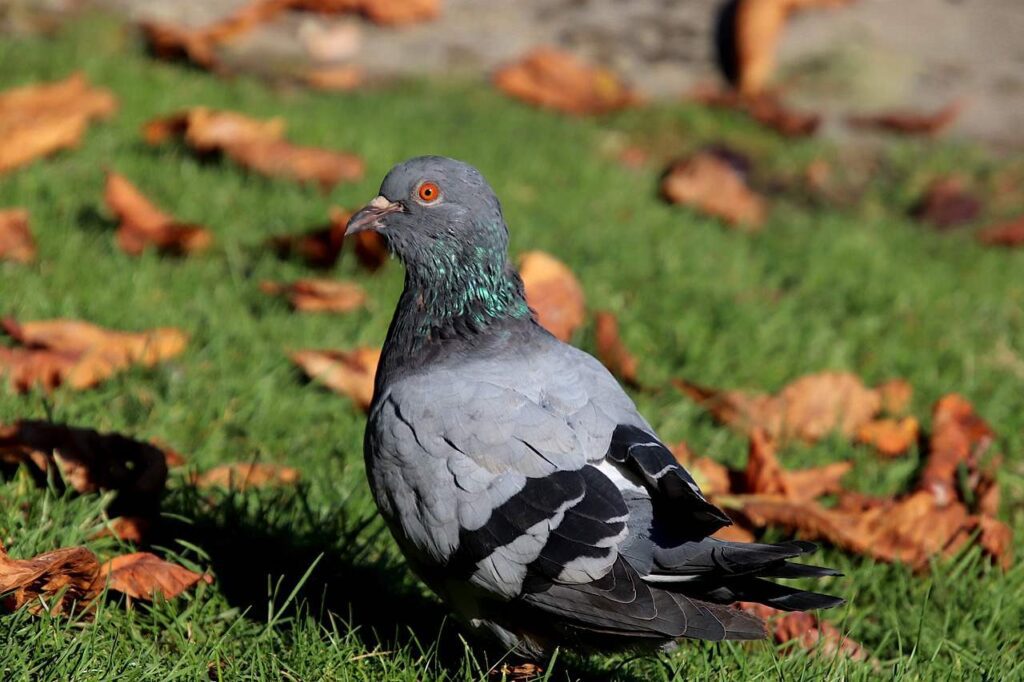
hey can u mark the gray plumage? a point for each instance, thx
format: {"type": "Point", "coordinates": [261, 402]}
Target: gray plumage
{"type": "Point", "coordinates": [517, 476]}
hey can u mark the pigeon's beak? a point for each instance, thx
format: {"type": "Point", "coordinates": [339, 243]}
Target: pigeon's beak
{"type": "Point", "coordinates": [371, 215]}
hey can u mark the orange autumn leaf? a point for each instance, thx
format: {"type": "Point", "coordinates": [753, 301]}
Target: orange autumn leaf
{"type": "Point", "coordinates": [209, 130]}
{"type": "Point", "coordinates": [557, 80]}
{"type": "Point", "coordinates": [371, 250]}
{"type": "Point", "coordinates": [143, 225]}
{"type": "Point", "coordinates": [611, 350]}
{"type": "Point", "coordinates": [764, 107]}
{"type": "Point", "coordinates": [334, 78]}
{"type": "Point", "coordinates": [320, 247]}
{"type": "Point", "coordinates": [733, 533]}
{"type": "Point", "coordinates": [37, 120]}
{"type": "Point", "coordinates": [71, 573]}
{"type": "Point", "coordinates": [896, 395]}
{"type": "Point", "coordinates": [79, 354]}
{"type": "Point", "coordinates": [959, 438]}
{"type": "Point", "coordinates": [711, 185]}
{"type": "Point", "coordinates": [553, 293]}
{"type": "Point", "coordinates": [142, 575]}
{"type": "Point", "coordinates": [712, 477]}
{"type": "Point", "coordinates": [349, 373]}
{"type": "Point", "coordinates": [244, 475]}
{"type": "Point", "coordinates": [890, 437]}
{"type": "Point", "coordinates": [808, 409]}
{"type": "Point", "coordinates": [807, 631]}
{"type": "Point", "coordinates": [130, 528]}
{"type": "Point", "coordinates": [319, 295]}
{"type": "Point", "coordinates": [1009, 234]}
{"type": "Point", "coordinates": [947, 203]}
{"type": "Point", "coordinates": [910, 122]}
{"type": "Point", "coordinates": [764, 474]}
{"type": "Point", "coordinates": [89, 461]}
{"type": "Point", "coordinates": [16, 241]}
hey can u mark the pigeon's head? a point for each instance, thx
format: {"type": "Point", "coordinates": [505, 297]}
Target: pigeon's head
{"type": "Point", "coordinates": [435, 212]}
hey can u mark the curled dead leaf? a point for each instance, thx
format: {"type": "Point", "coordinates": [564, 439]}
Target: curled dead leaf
{"type": "Point", "coordinates": [371, 250]}
{"type": "Point", "coordinates": [244, 475]}
{"type": "Point", "coordinates": [910, 122]}
{"type": "Point", "coordinates": [319, 295]}
{"type": "Point", "coordinates": [807, 631]}
{"type": "Point", "coordinates": [891, 437]}
{"type": "Point", "coordinates": [764, 107]}
{"type": "Point", "coordinates": [764, 474]}
{"type": "Point", "coordinates": [711, 477]}
{"type": "Point", "coordinates": [809, 408]}
{"type": "Point", "coordinates": [554, 79]}
{"type": "Point", "coordinates": [79, 354]}
{"type": "Point", "coordinates": [37, 120]}
{"type": "Point", "coordinates": [947, 203]}
{"type": "Point", "coordinates": [350, 373]}
{"type": "Point", "coordinates": [210, 130]}
{"type": "Point", "coordinates": [553, 293]}
{"type": "Point", "coordinates": [611, 350]}
{"type": "Point", "coordinates": [16, 241]}
{"type": "Point", "coordinates": [142, 575]}
{"type": "Point", "coordinates": [71, 573]}
{"type": "Point", "coordinates": [319, 247]}
{"type": "Point", "coordinates": [1009, 234]}
{"type": "Point", "coordinates": [896, 395]}
{"type": "Point", "coordinates": [959, 438]}
{"type": "Point", "coordinates": [143, 225]}
{"type": "Point", "coordinates": [711, 185]}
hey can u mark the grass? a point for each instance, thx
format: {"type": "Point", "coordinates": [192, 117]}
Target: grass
{"type": "Point", "coordinates": [309, 584]}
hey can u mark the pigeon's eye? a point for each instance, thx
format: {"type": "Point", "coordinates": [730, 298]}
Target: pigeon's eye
{"type": "Point", "coordinates": [429, 192]}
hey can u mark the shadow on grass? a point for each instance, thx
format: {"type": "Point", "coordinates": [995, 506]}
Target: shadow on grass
{"type": "Point", "coordinates": [262, 543]}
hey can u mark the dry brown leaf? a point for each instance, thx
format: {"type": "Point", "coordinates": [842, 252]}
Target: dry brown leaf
{"type": "Point", "coordinates": [909, 122]}
{"type": "Point", "coordinates": [37, 581]}
{"type": "Point", "coordinates": [959, 438]}
{"type": "Point", "coordinates": [210, 130]}
{"type": "Point", "coordinates": [172, 41]}
{"type": "Point", "coordinates": [947, 203]}
{"type": "Point", "coordinates": [1007, 234]}
{"type": "Point", "coordinates": [807, 631]}
{"type": "Point", "coordinates": [350, 373]}
{"type": "Point", "coordinates": [711, 477]}
{"type": "Point", "coordinates": [131, 528]}
{"type": "Point", "coordinates": [764, 474]}
{"type": "Point", "coordinates": [89, 461]}
{"type": "Point", "coordinates": [553, 293]}
{"type": "Point", "coordinates": [37, 120]}
{"type": "Point", "coordinates": [16, 242]}
{"type": "Point", "coordinates": [278, 158]}
{"type": "Point", "coordinates": [610, 349]}
{"type": "Point", "coordinates": [896, 395]}
{"type": "Point", "coordinates": [557, 80]}
{"type": "Point", "coordinates": [143, 225]}
{"type": "Point", "coordinates": [733, 533]}
{"type": "Point", "coordinates": [891, 437]}
{"type": "Point", "coordinates": [384, 12]}
{"type": "Point", "coordinates": [319, 295]}
{"type": "Point", "coordinates": [520, 672]}
{"type": "Point", "coordinates": [711, 185]}
{"type": "Point", "coordinates": [334, 78]}
{"type": "Point", "coordinates": [809, 408]}
{"type": "Point", "coordinates": [244, 475]}
{"type": "Point", "coordinates": [757, 31]}
{"type": "Point", "coordinates": [319, 248]}
{"type": "Point", "coordinates": [764, 107]}
{"type": "Point", "coordinates": [371, 250]}
{"type": "Point", "coordinates": [143, 576]}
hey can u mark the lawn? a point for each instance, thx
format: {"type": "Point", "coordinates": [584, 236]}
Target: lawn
{"type": "Point", "coordinates": [309, 585]}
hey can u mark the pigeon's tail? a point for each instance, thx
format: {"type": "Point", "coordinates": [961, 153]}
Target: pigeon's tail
{"type": "Point", "coordinates": [726, 572]}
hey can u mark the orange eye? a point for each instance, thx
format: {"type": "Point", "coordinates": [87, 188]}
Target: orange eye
{"type": "Point", "coordinates": [429, 192]}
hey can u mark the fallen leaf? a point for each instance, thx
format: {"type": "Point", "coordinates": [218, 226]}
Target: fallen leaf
{"type": "Point", "coordinates": [143, 576]}
{"type": "Point", "coordinates": [130, 528]}
{"type": "Point", "coordinates": [143, 225]}
{"type": "Point", "coordinates": [520, 672]}
{"type": "Point", "coordinates": [946, 204]}
{"type": "Point", "coordinates": [610, 349]}
{"type": "Point", "coordinates": [959, 438]}
{"type": "Point", "coordinates": [89, 461]}
{"type": "Point", "coordinates": [757, 31]}
{"type": "Point", "coordinates": [554, 79]}
{"type": "Point", "coordinates": [807, 631]}
{"type": "Point", "coordinates": [255, 145]}
{"type": "Point", "coordinates": [764, 474]}
{"type": "Point", "coordinates": [891, 437]}
{"type": "Point", "coordinates": [711, 185]}
{"type": "Point", "coordinates": [764, 107]}
{"type": "Point", "coordinates": [350, 373]}
{"type": "Point", "coordinates": [319, 295]}
{"type": "Point", "coordinates": [79, 354]}
{"type": "Point", "coordinates": [334, 78]}
{"type": "Point", "coordinates": [16, 242]}
{"type": "Point", "coordinates": [712, 477]}
{"type": "Point", "coordinates": [808, 409]}
{"type": "Point", "coordinates": [244, 475]}
{"type": "Point", "coordinates": [1007, 234]}
{"type": "Point", "coordinates": [37, 120]}
{"type": "Point", "coordinates": [384, 12]}
{"type": "Point", "coordinates": [172, 42]}
{"type": "Point", "coordinates": [70, 573]}
{"type": "Point", "coordinates": [319, 247]}
{"type": "Point", "coordinates": [371, 250]}
{"type": "Point", "coordinates": [896, 395]}
{"type": "Point", "coordinates": [552, 292]}
{"type": "Point", "coordinates": [733, 533]}
{"type": "Point", "coordinates": [909, 122]}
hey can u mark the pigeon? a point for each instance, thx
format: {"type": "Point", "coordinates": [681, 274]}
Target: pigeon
{"type": "Point", "coordinates": [517, 477]}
